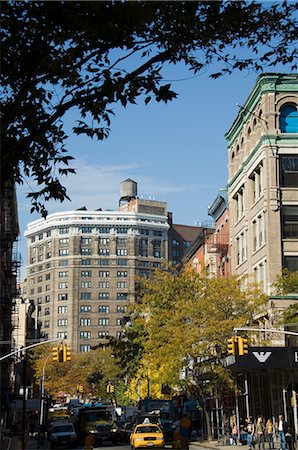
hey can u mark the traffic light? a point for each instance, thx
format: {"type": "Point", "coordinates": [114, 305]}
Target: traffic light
{"type": "Point", "coordinates": [110, 389]}
{"type": "Point", "coordinates": [233, 345]}
{"type": "Point", "coordinates": [58, 353]}
{"type": "Point", "coordinates": [66, 353]}
{"type": "Point", "coordinates": [55, 352]}
{"type": "Point", "coordinates": [242, 346]}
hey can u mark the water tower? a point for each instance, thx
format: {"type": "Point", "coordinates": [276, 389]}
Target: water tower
{"type": "Point", "coordinates": [128, 190]}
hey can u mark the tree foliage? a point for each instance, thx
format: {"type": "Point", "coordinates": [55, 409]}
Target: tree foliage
{"type": "Point", "coordinates": [89, 56]}
{"type": "Point", "coordinates": [287, 283]}
{"type": "Point", "coordinates": [188, 320]}
{"type": "Point", "coordinates": [92, 370]}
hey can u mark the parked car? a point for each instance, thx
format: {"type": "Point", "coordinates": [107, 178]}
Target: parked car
{"type": "Point", "coordinates": [62, 433]}
{"type": "Point", "coordinates": [125, 432]}
{"type": "Point", "coordinates": [147, 435]}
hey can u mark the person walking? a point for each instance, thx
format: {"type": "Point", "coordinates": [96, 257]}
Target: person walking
{"type": "Point", "coordinates": [250, 429]}
{"type": "Point", "coordinates": [260, 429]}
{"type": "Point", "coordinates": [269, 432]}
{"type": "Point", "coordinates": [185, 426]}
{"type": "Point", "coordinates": [282, 428]}
{"type": "Point", "coordinates": [235, 434]}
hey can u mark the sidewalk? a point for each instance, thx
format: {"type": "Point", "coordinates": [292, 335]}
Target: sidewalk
{"type": "Point", "coordinates": [15, 443]}
{"type": "Point", "coordinates": [214, 445]}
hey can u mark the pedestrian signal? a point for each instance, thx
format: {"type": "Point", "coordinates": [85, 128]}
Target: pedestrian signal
{"type": "Point", "coordinates": [66, 353]}
{"type": "Point", "coordinates": [242, 346]}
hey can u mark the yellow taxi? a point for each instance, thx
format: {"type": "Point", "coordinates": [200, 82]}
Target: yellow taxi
{"type": "Point", "coordinates": [147, 435]}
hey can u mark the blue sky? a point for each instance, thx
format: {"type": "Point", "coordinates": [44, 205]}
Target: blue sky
{"type": "Point", "coordinates": [176, 152]}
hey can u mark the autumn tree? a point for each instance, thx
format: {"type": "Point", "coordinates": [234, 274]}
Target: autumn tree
{"type": "Point", "coordinates": [287, 283]}
{"type": "Point", "coordinates": [188, 320]}
{"type": "Point", "coordinates": [93, 370]}
{"type": "Point", "coordinates": [91, 55]}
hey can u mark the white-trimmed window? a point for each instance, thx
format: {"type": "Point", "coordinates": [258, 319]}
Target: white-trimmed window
{"type": "Point", "coordinates": [62, 335]}
{"type": "Point", "coordinates": [63, 274]}
{"type": "Point", "coordinates": [62, 309]}
{"type": "Point", "coordinates": [62, 322]}
{"type": "Point", "coordinates": [104, 284]}
{"type": "Point", "coordinates": [86, 273]}
{"type": "Point", "coordinates": [103, 251]}
{"type": "Point", "coordinates": [85, 334]}
{"type": "Point", "coordinates": [103, 296]}
{"type": "Point", "coordinates": [85, 348]}
{"type": "Point", "coordinates": [85, 240]}
{"type": "Point", "coordinates": [257, 182]}
{"type": "Point", "coordinates": [259, 235]}
{"type": "Point", "coordinates": [121, 252]}
{"type": "Point", "coordinates": [85, 308]}
{"type": "Point", "coordinates": [259, 271]}
{"type": "Point", "coordinates": [86, 284]}
{"type": "Point", "coordinates": [103, 334]}
{"type": "Point", "coordinates": [121, 309]}
{"type": "Point", "coordinates": [84, 322]}
{"type": "Point", "coordinates": [104, 309]}
{"type": "Point", "coordinates": [103, 273]}
{"type": "Point", "coordinates": [104, 241]}
{"type": "Point", "coordinates": [64, 241]}
{"type": "Point", "coordinates": [62, 296]}
{"type": "Point", "coordinates": [86, 251]}
{"type": "Point", "coordinates": [121, 284]}
{"type": "Point", "coordinates": [63, 285]}
{"type": "Point", "coordinates": [64, 252]}
{"type": "Point", "coordinates": [241, 247]}
{"type": "Point", "coordinates": [103, 321]}
{"type": "Point", "coordinates": [240, 203]}
{"type": "Point", "coordinates": [122, 274]}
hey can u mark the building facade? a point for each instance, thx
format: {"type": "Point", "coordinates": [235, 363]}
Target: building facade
{"type": "Point", "coordinates": [263, 181]}
{"type": "Point", "coordinates": [83, 266]}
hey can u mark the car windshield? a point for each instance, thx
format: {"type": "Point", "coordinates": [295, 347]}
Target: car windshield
{"type": "Point", "coordinates": [98, 415]}
{"type": "Point", "coordinates": [148, 429]}
{"type": "Point", "coordinates": [62, 428]}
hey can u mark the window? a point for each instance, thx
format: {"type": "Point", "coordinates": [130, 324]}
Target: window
{"type": "Point", "coordinates": [32, 291]}
{"type": "Point", "coordinates": [47, 311]}
{"type": "Point", "coordinates": [64, 230]}
{"type": "Point", "coordinates": [176, 253]}
{"type": "Point", "coordinates": [288, 119]}
{"type": "Point", "coordinates": [40, 237]}
{"type": "Point", "coordinates": [39, 300]}
{"type": "Point", "coordinates": [289, 170]}
{"type": "Point", "coordinates": [156, 249]}
{"type": "Point", "coordinates": [85, 322]}
{"type": "Point", "coordinates": [84, 348]}
{"type": "Point", "coordinates": [144, 232]}
{"type": "Point", "coordinates": [103, 309]}
{"type": "Point", "coordinates": [85, 334]}
{"type": "Point", "coordinates": [290, 222]}
{"type": "Point", "coordinates": [122, 262]}
{"type": "Point", "coordinates": [118, 322]}
{"type": "Point", "coordinates": [62, 296]}
{"type": "Point", "coordinates": [62, 335]}
{"type": "Point", "coordinates": [39, 279]}
{"type": "Point", "coordinates": [121, 241]}
{"type": "Point", "coordinates": [85, 284]}
{"type": "Point", "coordinates": [103, 251]}
{"type": "Point", "coordinates": [85, 308]}
{"type": "Point", "coordinates": [104, 230]}
{"type": "Point", "coordinates": [32, 239]}
{"type": "Point", "coordinates": [63, 263]}
{"type": "Point", "coordinates": [121, 309]}
{"type": "Point", "coordinates": [291, 263]}
{"type": "Point", "coordinates": [144, 273]}
{"type": "Point", "coordinates": [104, 241]}
{"type": "Point", "coordinates": [175, 243]}
{"type": "Point", "coordinates": [63, 285]}
{"type": "Point", "coordinates": [47, 324]}
{"type": "Point", "coordinates": [48, 276]}
{"type": "Point", "coordinates": [122, 296]}
{"type": "Point", "coordinates": [86, 273]}
{"type": "Point", "coordinates": [239, 199]}
{"type": "Point", "coordinates": [85, 296]}
{"type": "Point", "coordinates": [121, 252]}
{"type": "Point", "coordinates": [103, 321]}
{"type": "Point", "coordinates": [121, 284]}
{"type": "Point", "coordinates": [257, 183]}
{"type": "Point", "coordinates": [63, 274]}
{"type": "Point", "coordinates": [85, 262]}
{"type": "Point", "coordinates": [144, 263]}
{"type": "Point", "coordinates": [121, 230]}
{"type": "Point", "coordinates": [86, 251]}
{"type": "Point", "coordinates": [122, 274]}
{"type": "Point", "coordinates": [241, 248]}
{"type": "Point", "coordinates": [62, 322]}
{"type": "Point", "coordinates": [260, 275]}
{"type": "Point", "coordinates": [85, 240]}
{"type": "Point", "coordinates": [47, 299]}
{"type": "Point", "coordinates": [119, 334]}
{"type": "Point", "coordinates": [103, 296]}
{"type": "Point", "coordinates": [62, 309]}
{"type": "Point", "coordinates": [104, 284]}
{"type": "Point", "coordinates": [103, 274]}
{"type": "Point", "coordinates": [86, 229]}
{"type": "Point", "coordinates": [64, 241]}
{"type": "Point", "coordinates": [104, 262]}
{"type": "Point", "coordinates": [103, 334]}
{"type": "Point", "coordinates": [258, 226]}
{"type": "Point", "coordinates": [64, 252]}
{"type": "Point", "coordinates": [157, 233]}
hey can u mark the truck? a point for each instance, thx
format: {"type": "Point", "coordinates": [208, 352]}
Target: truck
{"type": "Point", "coordinates": [163, 409]}
{"type": "Point", "coordinates": [100, 421]}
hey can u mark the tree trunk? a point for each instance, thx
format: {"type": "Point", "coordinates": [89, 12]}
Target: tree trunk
{"type": "Point", "coordinates": [206, 412]}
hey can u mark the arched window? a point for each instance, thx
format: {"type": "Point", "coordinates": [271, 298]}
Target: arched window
{"type": "Point", "coordinates": [289, 119]}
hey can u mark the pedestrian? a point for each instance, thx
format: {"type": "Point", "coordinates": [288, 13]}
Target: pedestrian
{"type": "Point", "coordinates": [269, 432]}
{"type": "Point", "coordinates": [260, 433]}
{"type": "Point", "coordinates": [234, 434]}
{"type": "Point", "coordinates": [250, 429]}
{"type": "Point", "coordinates": [282, 428]}
{"type": "Point", "coordinates": [185, 426]}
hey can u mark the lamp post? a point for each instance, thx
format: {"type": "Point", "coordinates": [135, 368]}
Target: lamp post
{"type": "Point", "coordinates": [42, 393]}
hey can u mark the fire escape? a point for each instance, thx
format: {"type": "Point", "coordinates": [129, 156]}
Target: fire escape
{"type": "Point", "coordinates": [217, 245]}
